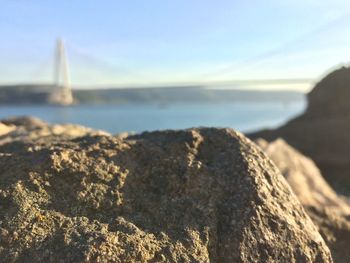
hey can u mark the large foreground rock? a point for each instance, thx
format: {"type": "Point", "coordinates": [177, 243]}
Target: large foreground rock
{"type": "Point", "coordinates": [198, 195]}
{"type": "Point", "coordinates": [328, 211]}
{"type": "Point", "coordinates": [322, 132]}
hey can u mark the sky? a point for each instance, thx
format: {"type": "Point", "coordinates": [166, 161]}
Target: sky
{"type": "Point", "coordinates": [116, 43]}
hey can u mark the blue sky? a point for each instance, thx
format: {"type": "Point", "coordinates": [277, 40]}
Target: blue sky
{"type": "Point", "coordinates": [155, 41]}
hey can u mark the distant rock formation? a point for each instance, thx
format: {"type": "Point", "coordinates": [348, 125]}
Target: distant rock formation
{"type": "Point", "coordinates": [323, 131]}
{"type": "Point", "coordinates": [329, 212]}
{"type": "Point", "coordinates": [197, 195]}
{"type": "Point", "coordinates": [330, 97]}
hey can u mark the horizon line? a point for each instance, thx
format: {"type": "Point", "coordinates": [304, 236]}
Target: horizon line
{"type": "Point", "coordinates": [223, 83]}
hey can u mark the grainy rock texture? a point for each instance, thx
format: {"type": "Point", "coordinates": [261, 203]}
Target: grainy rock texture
{"type": "Point", "coordinates": [322, 132]}
{"type": "Point", "coordinates": [198, 195]}
{"type": "Point", "coordinates": [328, 211]}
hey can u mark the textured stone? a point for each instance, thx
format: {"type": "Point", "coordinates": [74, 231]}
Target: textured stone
{"type": "Point", "coordinates": [197, 195]}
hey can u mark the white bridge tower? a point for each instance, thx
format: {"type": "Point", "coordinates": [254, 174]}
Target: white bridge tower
{"type": "Point", "coordinates": [62, 93]}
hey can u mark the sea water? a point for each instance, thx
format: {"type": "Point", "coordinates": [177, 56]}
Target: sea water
{"type": "Point", "coordinates": [243, 116]}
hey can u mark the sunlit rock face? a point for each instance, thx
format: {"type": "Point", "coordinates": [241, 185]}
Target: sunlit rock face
{"type": "Point", "coordinates": [322, 132]}
{"type": "Point", "coordinates": [328, 211]}
{"type": "Point", "coordinates": [197, 195]}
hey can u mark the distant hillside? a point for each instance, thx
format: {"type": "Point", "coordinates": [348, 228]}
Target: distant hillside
{"type": "Point", "coordinates": [38, 94]}
{"type": "Point", "coordinates": [182, 94]}
{"type": "Point", "coordinates": [25, 94]}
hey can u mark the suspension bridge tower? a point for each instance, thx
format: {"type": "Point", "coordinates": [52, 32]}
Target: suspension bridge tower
{"type": "Point", "coordinates": [62, 93]}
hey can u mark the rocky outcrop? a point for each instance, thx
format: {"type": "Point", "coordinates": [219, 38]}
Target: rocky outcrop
{"type": "Point", "coordinates": [25, 129]}
{"type": "Point", "coordinates": [28, 122]}
{"type": "Point", "coordinates": [322, 132]}
{"type": "Point", "coordinates": [4, 129]}
{"type": "Point", "coordinates": [330, 97]}
{"type": "Point", "coordinates": [330, 212]}
{"type": "Point", "coordinates": [197, 195]}
{"type": "Point", "coordinates": [304, 177]}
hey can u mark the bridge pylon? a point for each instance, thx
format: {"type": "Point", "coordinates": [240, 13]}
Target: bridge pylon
{"type": "Point", "coordinates": [62, 93]}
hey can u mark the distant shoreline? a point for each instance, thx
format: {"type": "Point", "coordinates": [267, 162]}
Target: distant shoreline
{"type": "Point", "coordinates": [39, 94]}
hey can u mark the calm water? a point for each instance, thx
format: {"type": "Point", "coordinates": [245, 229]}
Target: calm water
{"type": "Point", "coordinates": [118, 118]}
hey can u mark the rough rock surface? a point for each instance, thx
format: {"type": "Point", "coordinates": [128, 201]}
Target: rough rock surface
{"type": "Point", "coordinates": [198, 195]}
{"type": "Point", "coordinates": [322, 132]}
{"type": "Point", "coordinates": [329, 212]}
